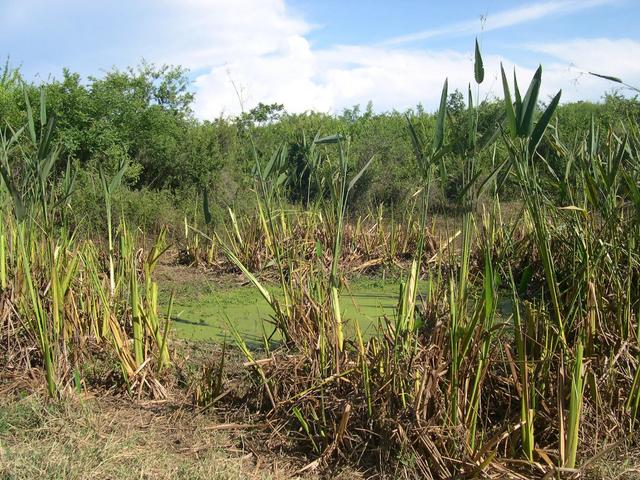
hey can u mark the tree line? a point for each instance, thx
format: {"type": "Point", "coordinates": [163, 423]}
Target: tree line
{"type": "Point", "coordinates": [144, 116]}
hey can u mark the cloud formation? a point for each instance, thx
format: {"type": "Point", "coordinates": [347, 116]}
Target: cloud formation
{"type": "Point", "coordinates": [393, 76]}
{"type": "Point", "coordinates": [242, 52]}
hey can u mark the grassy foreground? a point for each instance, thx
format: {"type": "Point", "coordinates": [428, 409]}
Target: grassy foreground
{"type": "Point", "coordinates": [114, 439]}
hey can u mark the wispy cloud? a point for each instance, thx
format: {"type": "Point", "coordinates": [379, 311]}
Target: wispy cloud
{"type": "Point", "coordinates": [503, 19]}
{"type": "Point", "coordinates": [572, 59]}
{"type": "Point", "coordinates": [611, 56]}
{"type": "Point", "coordinates": [269, 59]}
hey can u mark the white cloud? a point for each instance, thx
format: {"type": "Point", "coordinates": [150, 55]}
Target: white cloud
{"type": "Point", "coordinates": [204, 32]}
{"type": "Point", "coordinates": [328, 80]}
{"type": "Point", "coordinates": [277, 64]}
{"type": "Point", "coordinates": [602, 55]}
{"type": "Point", "coordinates": [288, 70]}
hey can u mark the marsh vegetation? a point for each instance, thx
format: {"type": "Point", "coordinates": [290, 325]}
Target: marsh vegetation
{"type": "Point", "coordinates": [502, 339]}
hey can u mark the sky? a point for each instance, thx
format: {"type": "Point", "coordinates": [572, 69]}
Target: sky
{"type": "Point", "coordinates": [327, 55]}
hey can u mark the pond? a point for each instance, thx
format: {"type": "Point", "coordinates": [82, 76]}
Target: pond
{"type": "Point", "coordinates": [203, 315]}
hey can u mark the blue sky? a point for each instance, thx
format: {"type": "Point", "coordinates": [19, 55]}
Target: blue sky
{"type": "Point", "coordinates": [328, 54]}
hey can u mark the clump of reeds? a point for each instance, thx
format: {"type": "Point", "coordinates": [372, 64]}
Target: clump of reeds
{"type": "Point", "coordinates": [524, 339]}
{"type": "Point", "coordinates": [62, 306]}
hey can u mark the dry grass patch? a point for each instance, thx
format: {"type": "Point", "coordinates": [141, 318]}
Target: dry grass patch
{"type": "Point", "coordinates": [113, 439]}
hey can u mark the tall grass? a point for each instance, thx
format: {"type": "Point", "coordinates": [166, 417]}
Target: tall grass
{"type": "Point", "coordinates": [515, 345]}
{"type": "Point", "coordinates": [52, 282]}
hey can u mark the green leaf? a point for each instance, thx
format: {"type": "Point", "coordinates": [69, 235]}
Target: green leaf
{"type": "Point", "coordinates": [17, 199]}
{"type": "Point", "coordinates": [490, 135]}
{"type": "Point", "coordinates": [68, 183]}
{"type": "Point", "coordinates": [15, 137]}
{"type": "Point", "coordinates": [439, 136]}
{"type": "Point", "coordinates": [360, 173]}
{"type": "Point", "coordinates": [594, 138]}
{"type": "Point", "coordinates": [77, 381]}
{"type": "Point", "coordinates": [506, 164]}
{"type": "Point", "coordinates": [328, 140]}
{"type": "Point", "coordinates": [46, 164]}
{"type": "Point", "coordinates": [43, 108]}
{"type": "Point", "coordinates": [489, 286]}
{"type": "Point", "coordinates": [615, 164]}
{"type": "Point", "coordinates": [508, 105]}
{"type": "Point", "coordinates": [117, 178]}
{"type": "Point", "coordinates": [525, 280]}
{"type": "Point", "coordinates": [205, 206]}
{"type": "Point", "coordinates": [470, 184]}
{"type": "Point", "coordinates": [270, 164]}
{"type": "Point", "coordinates": [529, 104]}
{"type": "Point", "coordinates": [417, 146]}
{"type": "Point", "coordinates": [45, 138]}
{"type": "Point", "coordinates": [607, 77]}
{"type": "Point", "coordinates": [282, 178]}
{"type": "Point", "coordinates": [518, 106]}
{"type": "Point", "coordinates": [633, 189]}
{"type": "Point", "coordinates": [30, 121]}
{"type": "Point", "coordinates": [472, 120]}
{"type": "Point", "coordinates": [478, 67]}
{"type": "Point", "coordinates": [542, 124]}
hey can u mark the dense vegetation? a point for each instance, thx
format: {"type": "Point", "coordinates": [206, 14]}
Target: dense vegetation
{"type": "Point", "coordinates": [514, 350]}
{"type": "Point", "coordinates": [144, 115]}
